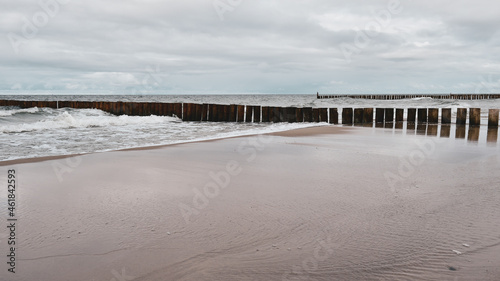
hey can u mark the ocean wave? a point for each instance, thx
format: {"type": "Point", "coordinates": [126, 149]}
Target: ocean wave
{"type": "Point", "coordinates": [11, 112]}
{"type": "Point", "coordinates": [85, 118]}
{"type": "Point", "coordinates": [423, 98]}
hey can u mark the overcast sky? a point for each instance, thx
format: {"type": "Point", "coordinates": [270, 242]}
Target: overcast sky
{"type": "Point", "coordinates": [249, 46]}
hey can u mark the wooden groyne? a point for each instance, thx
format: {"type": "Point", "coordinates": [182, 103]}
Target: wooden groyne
{"type": "Point", "coordinates": [257, 114]}
{"type": "Point", "coordinates": [404, 96]}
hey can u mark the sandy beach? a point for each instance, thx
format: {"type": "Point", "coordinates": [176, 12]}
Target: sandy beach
{"type": "Point", "coordinates": [323, 203]}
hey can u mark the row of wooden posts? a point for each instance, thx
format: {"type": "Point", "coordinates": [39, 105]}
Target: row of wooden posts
{"type": "Point", "coordinates": [400, 97]}
{"type": "Point", "coordinates": [252, 113]}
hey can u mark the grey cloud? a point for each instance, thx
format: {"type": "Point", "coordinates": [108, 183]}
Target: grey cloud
{"type": "Point", "coordinates": [260, 46]}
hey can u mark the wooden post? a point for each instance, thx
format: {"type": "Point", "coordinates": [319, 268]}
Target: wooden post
{"type": "Point", "coordinates": [143, 106]}
{"type": "Point", "coordinates": [271, 113]}
{"type": "Point", "coordinates": [276, 114]}
{"type": "Point", "coordinates": [213, 115]}
{"type": "Point", "coordinates": [461, 116]}
{"type": "Point", "coordinates": [241, 113]}
{"type": "Point", "coordinates": [256, 114]}
{"type": "Point", "coordinates": [233, 111]}
{"type": "Point", "coordinates": [368, 115]}
{"type": "Point", "coordinates": [158, 109]}
{"type": "Point", "coordinates": [192, 116]}
{"type": "Point", "coordinates": [389, 115]}
{"type": "Point", "coordinates": [422, 115]}
{"type": "Point", "coordinates": [446, 116]}
{"type": "Point", "coordinates": [146, 106]}
{"type": "Point", "coordinates": [111, 106]}
{"type": "Point", "coordinates": [358, 115]}
{"type": "Point", "coordinates": [323, 115]}
{"type": "Point", "coordinates": [248, 115]}
{"type": "Point", "coordinates": [347, 116]}
{"type": "Point", "coordinates": [178, 110]}
{"type": "Point", "coordinates": [221, 112]}
{"type": "Point", "coordinates": [399, 115]}
{"type": "Point", "coordinates": [379, 115]}
{"type": "Point", "coordinates": [299, 115]}
{"type": "Point", "coordinates": [307, 114]}
{"type": "Point", "coordinates": [291, 113]}
{"type": "Point", "coordinates": [171, 109]}
{"type": "Point", "coordinates": [154, 108]}
{"type": "Point", "coordinates": [475, 117]}
{"type": "Point", "coordinates": [334, 116]}
{"type": "Point", "coordinates": [227, 112]}
{"type": "Point", "coordinates": [122, 108]}
{"type": "Point", "coordinates": [283, 114]}
{"type": "Point", "coordinates": [493, 118]}
{"type": "Point", "coordinates": [198, 112]}
{"type": "Point", "coordinates": [315, 116]}
{"type": "Point", "coordinates": [194, 112]}
{"type": "Point", "coordinates": [265, 114]}
{"type": "Point", "coordinates": [165, 109]}
{"type": "Point", "coordinates": [214, 112]}
{"type": "Point", "coordinates": [433, 115]}
{"type": "Point", "coordinates": [186, 111]}
{"type": "Point", "coordinates": [412, 115]}
{"type": "Point", "coordinates": [204, 112]}
{"type": "Point", "coordinates": [52, 104]}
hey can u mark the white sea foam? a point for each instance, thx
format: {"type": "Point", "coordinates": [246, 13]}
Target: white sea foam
{"type": "Point", "coordinates": [10, 112]}
{"type": "Point", "coordinates": [71, 131]}
{"type": "Point", "coordinates": [83, 119]}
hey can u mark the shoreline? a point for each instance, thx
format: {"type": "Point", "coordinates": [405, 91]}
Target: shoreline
{"type": "Point", "coordinates": [152, 147]}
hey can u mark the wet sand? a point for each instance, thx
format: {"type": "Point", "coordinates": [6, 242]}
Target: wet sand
{"type": "Point", "coordinates": [329, 203]}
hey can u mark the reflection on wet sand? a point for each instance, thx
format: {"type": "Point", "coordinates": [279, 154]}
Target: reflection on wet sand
{"type": "Point", "coordinates": [492, 135]}
{"type": "Point", "coordinates": [445, 131]}
{"type": "Point", "coordinates": [432, 130]}
{"type": "Point", "coordinates": [473, 134]}
{"type": "Point", "coordinates": [421, 129]}
{"type": "Point", "coordinates": [460, 132]}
